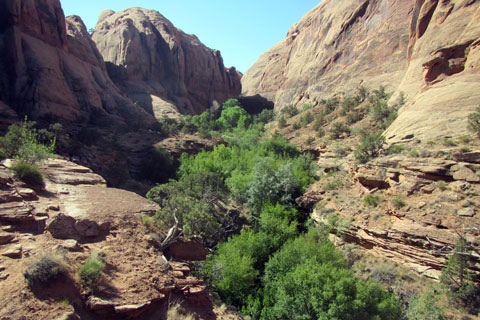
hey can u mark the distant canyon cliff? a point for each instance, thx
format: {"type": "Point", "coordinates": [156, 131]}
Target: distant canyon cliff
{"type": "Point", "coordinates": [51, 68]}
{"type": "Point", "coordinates": [161, 67]}
{"type": "Point", "coordinates": [427, 49]}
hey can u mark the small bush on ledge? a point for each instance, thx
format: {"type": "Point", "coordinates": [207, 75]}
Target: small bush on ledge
{"type": "Point", "coordinates": [91, 270]}
{"type": "Point", "coordinates": [45, 270]}
{"type": "Point", "coordinates": [29, 173]}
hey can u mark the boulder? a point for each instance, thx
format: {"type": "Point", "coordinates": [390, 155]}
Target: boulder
{"type": "Point", "coordinates": [464, 174]}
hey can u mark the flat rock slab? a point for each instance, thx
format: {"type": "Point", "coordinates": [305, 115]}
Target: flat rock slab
{"type": "Point", "coordinates": [6, 238]}
{"type": "Point", "coordinates": [14, 252]}
{"type": "Point", "coordinates": [16, 212]}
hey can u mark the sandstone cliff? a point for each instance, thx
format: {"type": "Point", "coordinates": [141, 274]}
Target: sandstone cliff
{"type": "Point", "coordinates": [335, 47]}
{"type": "Point", "coordinates": [160, 67]}
{"type": "Point", "coordinates": [425, 49]}
{"type": "Point", "coordinates": [50, 67]}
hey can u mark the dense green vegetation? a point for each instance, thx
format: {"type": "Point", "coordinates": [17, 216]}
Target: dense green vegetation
{"type": "Point", "coordinates": [273, 266]}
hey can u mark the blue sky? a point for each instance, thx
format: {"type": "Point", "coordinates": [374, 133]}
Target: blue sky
{"type": "Point", "coordinates": [241, 30]}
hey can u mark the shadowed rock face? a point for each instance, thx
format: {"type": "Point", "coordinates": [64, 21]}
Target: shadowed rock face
{"type": "Point", "coordinates": [427, 49]}
{"type": "Point", "coordinates": [160, 67]}
{"type": "Point", "coordinates": [50, 67]}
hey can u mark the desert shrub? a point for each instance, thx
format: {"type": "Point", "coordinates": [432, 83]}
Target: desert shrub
{"type": "Point", "coordinates": [425, 307]}
{"type": "Point", "coordinates": [282, 122]}
{"type": "Point", "coordinates": [369, 147]}
{"type": "Point", "coordinates": [398, 202]}
{"type": "Point", "coordinates": [442, 185]}
{"type": "Point", "coordinates": [474, 122]}
{"type": "Point", "coordinates": [329, 105]}
{"type": "Point", "coordinates": [46, 270]}
{"type": "Point", "coordinates": [354, 116]}
{"type": "Point", "coordinates": [319, 122]}
{"type": "Point", "coordinates": [334, 184]}
{"type": "Point", "coordinates": [310, 140]}
{"type": "Point", "coordinates": [371, 200]}
{"type": "Point", "coordinates": [465, 139]}
{"type": "Point", "coordinates": [289, 110]}
{"type": "Point", "coordinates": [297, 125]}
{"type": "Point", "coordinates": [91, 270]}
{"type": "Point", "coordinates": [348, 104]}
{"type": "Point", "coordinates": [28, 173]}
{"type": "Point", "coordinates": [341, 150]}
{"type": "Point", "coordinates": [307, 119]}
{"type": "Point", "coordinates": [459, 279]}
{"type": "Point", "coordinates": [338, 129]}
{"type": "Point", "coordinates": [396, 149]}
{"type": "Point", "coordinates": [414, 153]}
{"type": "Point", "coordinates": [464, 149]}
{"type": "Point", "coordinates": [448, 142]}
{"type": "Point", "coordinates": [320, 133]}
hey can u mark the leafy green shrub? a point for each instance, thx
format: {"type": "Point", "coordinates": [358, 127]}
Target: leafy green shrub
{"type": "Point", "coordinates": [282, 123]}
{"type": "Point", "coordinates": [348, 104]}
{"type": "Point", "coordinates": [307, 277]}
{"type": "Point", "coordinates": [369, 147]}
{"type": "Point", "coordinates": [330, 105]}
{"type": "Point", "coordinates": [46, 270]}
{"type": "Point", "coordinates": [371, 200]}
{"type": "Point", "coordinates": [425, 307]}
{"type": "Point", "coordinates": [398, 203]}
{"type": "Point", "coordinates": [91, 270]}
{"type": "Point", "coordinates": [28, 173]}
{"type": "Point", "coordinates": [338, 130]}
{"type": "Point", "coordinates": [396, 149]}
{"type": "Point", "coordinates": [23, 144]}
{"type": "Point", "coordinates": [474, 122]}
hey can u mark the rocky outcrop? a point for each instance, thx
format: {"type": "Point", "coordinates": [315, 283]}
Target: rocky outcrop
{"type": "Point", "coordinates": [337, 46]}
{"type": "Point", "coordinates": [50, 67]}
{"type": "Point", "coordinates": [81, 217]}
{"type": "Point", "coordinates": [428, 50]}
{"type": "Point", "coordinates": [160, 67]}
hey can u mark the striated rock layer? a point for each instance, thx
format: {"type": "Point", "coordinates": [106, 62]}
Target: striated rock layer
{"type": "Point", "coordinates": [427, 49]}
{"type": "Point", "coordinates": [160, 67]}
{"type": "Point", "coordinates": [51, 68]}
